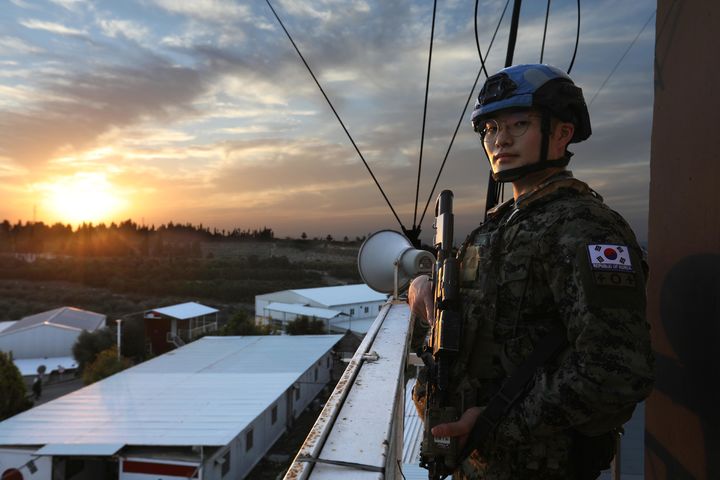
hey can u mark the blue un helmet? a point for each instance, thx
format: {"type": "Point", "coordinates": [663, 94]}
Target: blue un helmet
{"type": "Point", "coordinates": [544, 87]}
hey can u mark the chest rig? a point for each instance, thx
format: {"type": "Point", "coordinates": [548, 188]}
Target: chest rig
{"type": "Point", "coordinates": [507, 305]}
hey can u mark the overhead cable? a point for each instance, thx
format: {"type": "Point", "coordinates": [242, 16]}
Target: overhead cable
{"type": "Point", "coordinates": [336, 113]}
{"type": "Point", "coordinates": [422, 136]}
{"type": "Point", "coordinates": [577, 39]}
{"type": "Point", "coordinates": [467, 102]}
{"type": "Point", "coordinates": [617, 64]}
{"type": "Point", "coordinates": [547, 16]}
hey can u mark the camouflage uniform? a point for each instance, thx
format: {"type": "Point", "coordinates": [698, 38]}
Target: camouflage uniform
{"type": "Point", "coordinates": [524, 271]}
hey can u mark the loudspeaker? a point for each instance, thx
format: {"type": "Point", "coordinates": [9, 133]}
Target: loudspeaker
{"type": "Point", "coordinates": [386, 251]}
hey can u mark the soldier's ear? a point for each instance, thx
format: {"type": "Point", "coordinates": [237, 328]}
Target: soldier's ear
{"type": "Point", "coordinates": [566, 130]}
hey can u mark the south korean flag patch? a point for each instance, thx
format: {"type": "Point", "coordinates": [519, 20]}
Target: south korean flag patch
{"type": "Point", "coordinates": [614, 258]}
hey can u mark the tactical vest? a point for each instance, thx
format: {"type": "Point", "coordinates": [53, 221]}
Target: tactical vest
{"type": "Point", "coordinates": [507, 306]}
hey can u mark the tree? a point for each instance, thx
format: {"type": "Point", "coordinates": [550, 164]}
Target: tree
{"type": "Point", "coordinates": [107, 363]}
{"type": "Point", "coordinates": [305, 326]}
{"type": "Point", "coordinates": [13, 399]}
{"type": "Point", "coordinates": [303, 236]}
{"type": "Point", "coordinates": [90, 344]}
{"type": "Point", "coordinates": [241, 324]}
{"type": "Point", "coordinates": [133, 339]}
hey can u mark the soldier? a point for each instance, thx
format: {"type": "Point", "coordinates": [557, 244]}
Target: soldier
{"type": "Point", "coordinates": [552, 258]}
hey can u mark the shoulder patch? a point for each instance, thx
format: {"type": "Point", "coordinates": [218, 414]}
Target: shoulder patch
{"type": "Point", "coordinates": [605, 258]}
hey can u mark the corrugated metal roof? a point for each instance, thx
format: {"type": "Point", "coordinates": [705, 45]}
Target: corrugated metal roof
{"type": "Point", "coordinates": [100, 449]}
{"type": "Point", "coordinates": [29, 366]}
{"type": "Point", "coordinates": [296, 309]}
{"type": "Point", "coordinates": [341, 295]}
{"type": "Point", "coordinates": [413, 429]}
{"type": "Point", "coordinates": [8, 324]}
{"type": "Point", "coordinates": [183, 311]}
{"type": "Point", "coordinates": [204, 393]}
{"type": "Point", "coordinates": [66, 317]}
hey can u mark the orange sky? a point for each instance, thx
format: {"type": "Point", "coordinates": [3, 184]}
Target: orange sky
{"type": "Point", "coordinates": [200, 111]}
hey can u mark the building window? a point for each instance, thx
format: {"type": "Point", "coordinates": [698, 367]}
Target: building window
{"type": "Point", "coordinates": [273, 415]}
{"type": "Point", "coordinates": [249, 440]}
{"type": "Point", "coordinates": [297, 392]}
{"type": "Point", "coordinates": [379, 307]}
{"type": "Point", "coordinates": [327, 362]}
{"type": "Point", "coordinates": [367, 309]}
{"type": "Point", "coordinates": [352, 311]}
{"type": "Point", "coordinates": [225, 464]}
{"type": "Point", "coordinates": [316, 374]}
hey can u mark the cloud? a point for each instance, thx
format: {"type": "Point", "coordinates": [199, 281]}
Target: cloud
{"type": "Point", "coordinates": [87, 104]}
{"type": "Point", "coordinates": [70, 4]}
{"type": "Point", "coordinates": [218, 113]}
{"type": "Point", "coordinates": [220, 11]}
{"type": "Point", "coordinates": [13, 46]}
{"type": "Point", "coordinates": [52, 27]}
{"type": "Point", "coordinates": [124, 28]}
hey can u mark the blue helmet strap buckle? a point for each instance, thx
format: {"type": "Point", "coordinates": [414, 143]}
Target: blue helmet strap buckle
{"type": "Point", "coordinates": [496, 88]}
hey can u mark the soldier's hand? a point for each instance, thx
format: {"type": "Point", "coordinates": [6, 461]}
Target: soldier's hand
{"type": "Point", "coordinates": [461, 428]}
{"type": "Point", "coordinates": [420, 299]}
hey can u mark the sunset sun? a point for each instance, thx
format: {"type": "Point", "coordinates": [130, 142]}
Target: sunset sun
{"type": "Point", "coordinates": [83, 197]}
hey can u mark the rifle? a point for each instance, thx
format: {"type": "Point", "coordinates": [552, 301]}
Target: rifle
{"type": "Point", "coordinates": [439, 455]}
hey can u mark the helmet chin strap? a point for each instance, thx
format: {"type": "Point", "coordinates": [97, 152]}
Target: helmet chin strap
{"type": "Point", "coordinates": [513, 174]}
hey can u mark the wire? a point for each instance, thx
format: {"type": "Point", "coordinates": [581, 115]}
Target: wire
{"type": "Point", "coordinates": [336, 114]}
{"type": "Point", "coordinates": [422, 136]}
{"type": "Point", "coordinates": [462, 115]}
{"type": "Point", "coordinates": [400, 469]}
{"type": "Point", "coordinates": [577, 39]}
{"type": "Point", "coordinates": [477, 38]}
{"type": "Point", "coordinates": [647, 22]}
{"type": "Point", "coordinates": [547, 16]}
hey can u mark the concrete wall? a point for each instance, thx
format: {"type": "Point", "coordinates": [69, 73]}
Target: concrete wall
{"type": "Point", "coordinates": [682, 437]}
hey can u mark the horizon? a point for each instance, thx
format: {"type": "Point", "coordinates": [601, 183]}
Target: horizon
{"type": "Point", "coordinates": [202, 113]}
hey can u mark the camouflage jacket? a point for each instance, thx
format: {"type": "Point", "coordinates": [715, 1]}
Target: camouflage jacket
{"type": "Point", "coordinates": [558, 255]}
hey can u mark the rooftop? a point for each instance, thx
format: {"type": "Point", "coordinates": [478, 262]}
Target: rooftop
{"type": "Point", "coordinates": [296, 309]}
{"type": "Point", "coordinates": [196, 395]}
{"type": "Point", "coordinates": [183, 311]}
{"type": "Point", "coordinates": [341, 295]}
{"type": "Point", "coordinates": [63, 317]}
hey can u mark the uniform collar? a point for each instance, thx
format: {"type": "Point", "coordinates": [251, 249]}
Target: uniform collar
{"type": "Point", "coordinates": [561, 180]}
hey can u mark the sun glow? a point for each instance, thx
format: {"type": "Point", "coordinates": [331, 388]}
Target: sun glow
{"type": "Point", "coordinates": [83, 197]}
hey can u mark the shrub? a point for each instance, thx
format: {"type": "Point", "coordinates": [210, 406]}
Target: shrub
{"type": "Point", "coordinates": [107, 363]}
{"type": "Point", "coordinates": [13, 399]}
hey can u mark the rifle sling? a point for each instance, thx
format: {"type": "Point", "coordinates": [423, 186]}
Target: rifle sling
{"type": "Point", "coordinates": [513, 388]}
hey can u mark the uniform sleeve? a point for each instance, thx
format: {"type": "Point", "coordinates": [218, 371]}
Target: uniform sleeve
{"type": "Point", "coordinates": [596, 274]}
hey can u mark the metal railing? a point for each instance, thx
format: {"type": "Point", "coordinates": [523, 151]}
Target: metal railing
{"type": "Point", "coordinates": [359, 433]}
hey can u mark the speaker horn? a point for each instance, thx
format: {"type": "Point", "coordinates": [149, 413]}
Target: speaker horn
{"type": "Point", "coordinates": [387, 262]}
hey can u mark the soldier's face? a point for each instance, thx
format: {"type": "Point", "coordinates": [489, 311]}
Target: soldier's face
{"type": "Point", "coordinates": [513, 139]}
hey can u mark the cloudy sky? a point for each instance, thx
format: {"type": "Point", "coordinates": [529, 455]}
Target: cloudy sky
{"type": "Point", "coordinates": [200, 111]}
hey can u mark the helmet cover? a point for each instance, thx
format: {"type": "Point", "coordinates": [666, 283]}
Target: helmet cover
{"type": "Point", "coordinates": [534, 86]}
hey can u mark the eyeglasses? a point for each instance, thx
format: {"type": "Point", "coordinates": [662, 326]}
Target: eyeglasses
{"type": "Point", "coordinates": [515, 125]}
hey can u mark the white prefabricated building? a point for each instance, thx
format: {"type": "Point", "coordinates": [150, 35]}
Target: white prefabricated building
{"type": "Point", "coordinates": [209, 410]}
{"type": "Point", "coordinates": [47, 338]}
{"type": "Point", "coordinates": [343, 307]}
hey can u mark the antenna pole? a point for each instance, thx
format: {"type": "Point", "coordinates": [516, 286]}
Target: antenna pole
{"type": "Point", "coordinates": [493, 193]}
